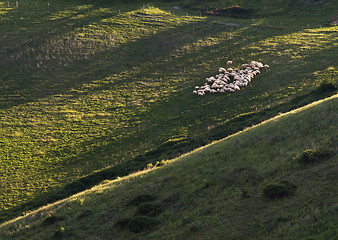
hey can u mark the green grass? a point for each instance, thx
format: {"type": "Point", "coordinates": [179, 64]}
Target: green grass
{"type": "Point", "coordinates": [215, 191]}
{"type": "Point", "coordinates": [90, 85]}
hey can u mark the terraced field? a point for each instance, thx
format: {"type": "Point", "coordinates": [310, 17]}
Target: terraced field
{"type": "Point", "coordinates": [96, 90]}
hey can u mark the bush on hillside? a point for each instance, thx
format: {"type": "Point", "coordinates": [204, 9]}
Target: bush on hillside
{"type": "Point", "coordinates": [310, 156]}
{"type": "Point", "coordinates": [279, 189]}
{"type": "Point", "coordinates": [138, 223]}
{"type": "Point", "coordinates": [141, 199]}
{"type": "Point", "coordinates": [150, 209]}
{"type": "Point", "coordinates": [144, 217]}
{"type": "Point", "coordinates": [326, 86]}
{"type": "Point", "coordinates": [51, 219]}
{"type": "Point", "coordinates": [62, 233]}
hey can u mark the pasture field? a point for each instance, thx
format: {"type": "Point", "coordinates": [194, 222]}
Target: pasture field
{"type": "Point", "coordinates": [89, 86]}
{"type": "Point", "coordinates": [216, 191]}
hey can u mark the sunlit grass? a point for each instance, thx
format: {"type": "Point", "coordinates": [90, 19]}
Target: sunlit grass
{"type": "Point", "coordinates": [219, 174]}
{"type": "Point", "coordinates": [76, 12]}
{"type": "Point", "coordinates": [97, 36]}
{"type": "Point", "coordinates": [91, 87]}
{"type": "Point", "coordinates": [298, 45]}
{"type": "Point", "coordinates": [57, 128]}
{"type": "Point", "coordinates": [4, 8]}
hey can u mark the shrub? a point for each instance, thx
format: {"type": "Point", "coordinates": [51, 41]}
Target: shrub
{"type": "Point", "coordinates": [279, 189]}
{"type": "Point", "coordinates": [312, 155]}
{"type": "Point", "coordinates": [84, 214]}
{"type": "Point", "coordinates": [245, 194]}
{"type": "Point", "coordinates": [123, 223]}
{"type": "Point", "coordinates": [326, 86]}
{"type": "Point", "coordinates": [143, 219]}
{"type": "Point", "coordinates": [141, 199]}
{"type": "Point", "coordinates": [138, 224]}
{"type": "Point", "coordinates": [51, 219]}
{"type": "Point", "coordinates": [161, 163]}
{"type": "Point", "coordinates": [149, 166]}
{"type": "Point", "coordinates": [150, 209]}
{"type": "Point", "coordinates": [62, 233]}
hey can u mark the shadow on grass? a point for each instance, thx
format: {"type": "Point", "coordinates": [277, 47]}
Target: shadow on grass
{"type": "Point", "coordinates": [167, 150]}
{"type": "Point", "coordinates": [100, 69]}
{"type": "Point", "coordinates": [20, 86]}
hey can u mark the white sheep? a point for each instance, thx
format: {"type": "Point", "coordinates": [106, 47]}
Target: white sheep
{"type": "Point", "coordinates": [236, 88]}
{"type": "Point", "coordinates": [219, 82]}
{"type": "Point", "coordinates": [225, 79]}
{"type": "Point", "coordinates": [214, 85]}
{"type": "Point", "coordinates": [200, 92]}
{"type": "Point", "coordinates": [230, 80]}
{"type": "Point", "coordinates": [209, 80]}
{"type": "Point", "coordinates": [259, 65]}
{"type": "Point", "coordinates": [222, 70]}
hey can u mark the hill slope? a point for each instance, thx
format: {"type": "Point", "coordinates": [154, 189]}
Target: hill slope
{"type": "Point", "coordinates": [216, 191]}
{"type": "Point", "coordinates": [93, 90]}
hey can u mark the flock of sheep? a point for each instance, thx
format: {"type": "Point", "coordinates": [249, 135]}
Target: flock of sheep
{"type": "Point", "coordinates": [230, 80]}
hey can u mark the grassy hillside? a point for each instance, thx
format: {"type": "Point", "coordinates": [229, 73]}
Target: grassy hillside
{"type": "Point", "coordinates": [88, 85]}
{"type": "Point", "coordinates": [260, 183]}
